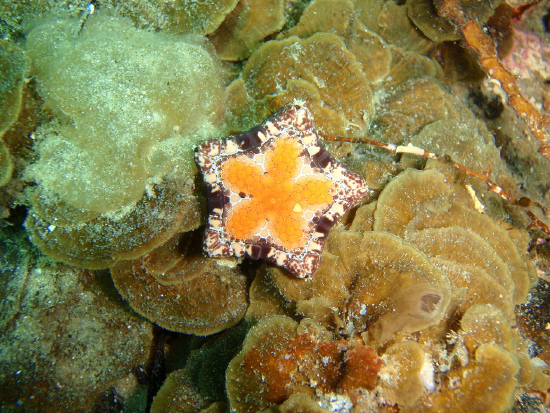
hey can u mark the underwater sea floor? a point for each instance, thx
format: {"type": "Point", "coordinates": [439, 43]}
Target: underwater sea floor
{"type": "Point", "coordinates": [431, 295]}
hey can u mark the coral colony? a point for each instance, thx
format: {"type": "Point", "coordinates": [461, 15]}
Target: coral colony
{"type": "Point", "coordinates": [274, 192]}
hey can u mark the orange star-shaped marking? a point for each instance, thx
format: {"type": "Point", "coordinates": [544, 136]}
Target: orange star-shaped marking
{"type": "Point", "coordinates": [274, 192]}
{"type": "Point", "coordinates": [273, 198]}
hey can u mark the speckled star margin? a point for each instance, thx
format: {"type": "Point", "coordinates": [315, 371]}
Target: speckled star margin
{"type": "Point", "coordinates": [293, 121]}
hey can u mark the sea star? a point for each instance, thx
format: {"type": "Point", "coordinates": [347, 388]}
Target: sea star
{"type": "Point", "coordinates": [275, 192]}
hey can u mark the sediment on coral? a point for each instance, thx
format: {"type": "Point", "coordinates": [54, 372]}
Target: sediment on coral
{"type": "Point", "coordinates": [409, 107]}
{"type": "Point", "coordinates": [332, 16]}
{"type": "Point", "coordinates": [371, 51]}
{"type": "Point", "coordinates": [99, 241]}
{"type": "Point", "coordinates": [114, 184]}
{"type": "Point", "coordinates": [92, 178]}
{"type": "Point", "coordinates": [183, 291]}
{"type": "Point", "coordinates": [246, 27]}
{"type": "Point", "coordinates": [198, 17]}
{"type": "Point", "coordinates": [310, 70]}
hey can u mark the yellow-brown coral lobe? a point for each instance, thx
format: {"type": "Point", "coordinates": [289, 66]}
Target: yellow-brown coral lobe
{"type": "Point", "coordinates": [274, 192]}
{"type": "Point", "coordinates": [319, 70]}
{"type": "Point", "coordinates": [191, 294]}
{"type": "Point", "coordinates": [281, 357]}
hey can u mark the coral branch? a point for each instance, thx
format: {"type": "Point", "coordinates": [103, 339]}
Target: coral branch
{"type": "Point", "coordinates": [424, 153]}
{"type": "Point", "coordinates": [535, 222]}
{"type": "Point", "coordinates": [477, 39]}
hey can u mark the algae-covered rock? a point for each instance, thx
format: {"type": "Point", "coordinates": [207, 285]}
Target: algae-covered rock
{"type": "Point", "coordinates": [396, 288]}
{"type": "Point", "coordinates": [178, 395]}
{"type": "Point", "coordinates": [69, 341]}
{"type": "Point", "coordinates": [114, 106]}
{"type": "Point", "coordinates": [406, 65]}
{"type": "Point", "coordinates": [129, 106]}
